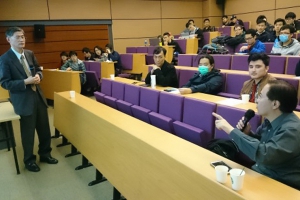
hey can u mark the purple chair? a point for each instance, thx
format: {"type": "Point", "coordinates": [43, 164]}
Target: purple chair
{"type": "Point", "coordinates": [182, 44]}
{"type": "Point", "coordinates": [185, 76]}
{"type": "Point", "coordinates": [291, 65]}
{"type": "Point", "coordinates": [117, 92]}
{"type": "Point", "coordinates": [127, 61]}
{"type": "Point", "coordinates": [222, 61]}
{"type": "Point", "coordinates": [239, 62]}
{"type": "Point", "coordinates": [87, 65]}
{"type": "Point", "coordinates": [226, 30]}
{"type": "Point", "coordinates": [185, 60]}
{"type": "Point", "coordinates": [206, 37]}
{"type": "Point", "coordinates": [149, 59]}
{"type": "Point", "coordinates": [142, 49]}
{"type": "Point", "coordinates": [231, 49]}
{"type": "Point", "coordinates": [293, 82]}
{"type": "Point", "coordinates": [195, 60]}
{"type": "Point", "coordinates": [277, 64]}
{"type": "Point", "coordinates": [197, 125]}
{"type": "Point", "coordinates": [269, 46]}
{"type": "Point", "coordinates": [99, 96]}
{"type": "Point", "coordinates": [246, 25]}
{"type": "Point", "coordinates": [234, 84]}
{"type": "Point", "coordinates": [96, 67]}
{"type": "Point", "coordinates": [131, 97]}
{"type": "Point", "coordinates": [106, 86]}
{"type": "Point", "coordinates": [238, 47]}
{"type": "Point", "coordinates": [92, 81]}
{"type": "Point", "coordinates": [149, 100]}
{"type": "Point", "coordinates": [170, 109]}
{"type": "Point", "coordinates": [176, 36]}
{"type": "Point", "coordinates": [130, 49]}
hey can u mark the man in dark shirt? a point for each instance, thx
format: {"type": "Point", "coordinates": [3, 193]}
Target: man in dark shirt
{"type": "Point", "coordinates": [236, 21]}
{"type": "Point", "coordinates": [269, 27]}
{"type": "Point", "coordinates": [196, 33]}
{"type": "Point", "coordinates": [261, 33]}
{"type": "Point", "coordinates": [88, 55]}
{"type": "Point", "coordinates": [225, 21]}
{"type": "Point", "coordinates": [114, 56]}
{"type": "Point", "coordinates": [169, 42]}
{"type": "Point", "coordinates": [164, 71]}
{"type": "Point", "coordinates": [290, 19]}
{"type": "Point", "coordinates": [207, 27]}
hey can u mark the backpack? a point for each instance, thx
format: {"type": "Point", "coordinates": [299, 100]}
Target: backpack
{"type": "Point", "coordinates": [226, 148]}
{"type": "Point", "coordinates": [213, 49]}
{"type": "Point", "coordinates": [221, 39]}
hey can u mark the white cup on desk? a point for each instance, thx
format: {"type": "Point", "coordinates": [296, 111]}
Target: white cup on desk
{"type": "Point", "coordinates": [112, 77]}
{"type": "Point", "coordinates": [245, 98]}
{"type": "Point", "coordinates": [72, 94]}
{"type": "Point", "coordinates": [221, 173]}
{"type": "Point", "coordinates": [237, 178]}
{"type": "Point", "coordinates": [153, 81]}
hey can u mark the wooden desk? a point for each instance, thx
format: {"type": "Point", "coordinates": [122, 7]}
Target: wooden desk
{"type": "Point", "coordinates": [191, 46]}
{"type": "Point", "coordinates": [170, 53]}
{"type": "Point", "coordinates": [213, 35]}
{"type": "Point", "coordinates": [139, 162]}
{"type": "Point", "coordinates": [3, 94]}
{"type": "Point", "coordinates": [58, 81]}
{"type": "Point", "coordinates": [138, 64]}
{"type": "Point", "coordinates": [7, 115]}
{"type": "Point", "coordinates": [107, 68]}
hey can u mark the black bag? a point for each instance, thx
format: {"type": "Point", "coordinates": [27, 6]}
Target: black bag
{"type": "Point", "coordinates": [221, 39]}
{"type": "Point", "coordinates": [213, 49]}
{"type": "Point", "coordinates": [226, 148]}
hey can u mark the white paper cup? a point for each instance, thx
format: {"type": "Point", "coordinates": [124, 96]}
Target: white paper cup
{"type": "Point", "coordinates": [221, 173]}
{"type": "Point", "coordinates": [237, 179]}
{"type": "Point", "coordinates": [112, 77]}
{"type": "Point", "coordinates": [153, 81]}
{"type": "Point", "coordinates": [245, 98]}
{"type": "Point", "coordinates": [72, 94]}
{"type": "Point", "coordinates": [41, 67]}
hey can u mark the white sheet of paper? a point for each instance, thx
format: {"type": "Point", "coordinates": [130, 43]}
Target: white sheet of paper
{"type": "Point", "coordinates": [230, 102]}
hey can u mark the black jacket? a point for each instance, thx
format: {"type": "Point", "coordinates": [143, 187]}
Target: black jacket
{"type": "Point", "coordinates": [234, 41]}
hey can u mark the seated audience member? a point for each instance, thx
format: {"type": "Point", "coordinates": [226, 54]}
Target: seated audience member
{"type": "Point", "coordinates": [74, 64]}
{"type": "Point", "coordinates": [63, 57]}
{"type": "Point", "coordinates": [160, 39]}
{"type": "Point", "coordinates": [254, 46]}
{"type": "Point", "coordinates": [208, 80]}
{"type": "Point", "coordinates": [164, 71]}
{"type": "Point", "coordinates": [258, 71]}
{"type": "Point", "coordinates": [236, 21]}
{"type": "Point", "coordinates": [290, 19]}
{"type": "Point", "coordinates": [297, 69]}
{"type": "Point", "coordinates": [186, 31]}
{"type": "Point", "coordinates": [239, 36]}
{"type": "Point", "coordinates": [196, 33]}
{"type": "Point", "coordinates": [288, 45]}
{"type": "Point", "coordinates": [114, 56]}
{"type": "Point", "coordinates": [225, 21]}
{"type": "Point", "coordinates": [169, 42]}
{"type": "Point", "coordinates": [274, 146]}
{"type": "Point", "coordinates": [278, 23]}
{"type": "Point", "coordinates": [261, 33]}
{"type": "Point", "coordinates": [88, 55]}
{"type": "Point", "coordinates": [269, 27]}
{"type": "Point", "coordinates": [207, 27]}
{"type": "Point", "coordinates": [98, 54]}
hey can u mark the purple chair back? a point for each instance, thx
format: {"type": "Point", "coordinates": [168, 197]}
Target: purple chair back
{"type": "Point", "coordinates": [269, 46]}
{"type": "Point", "coordinates": [117, 90]}
{"type": "Point", "coordinates": [149, 99]}
{"type": "Point", "coordinates": [149, 59]}
{"type": "Point", "coordinates": [238, 47]}
{"type": "Point", "coordinates": [224, 82]}
{"type": "Point", "coordinates": [291, 65]}
{"type": "Point", "coordinates": [293, 82]}
{"type": "Point", "coordinates": [185, 76]}
{"type": "Point", "coordinates": [246, 25]}
{"type": "Point", "coordinates": [206, 38]}
{"type": "Point", "coordinates": [106, 86]}
{"type": "Point", "coordinates": [170, 105]}
{"type": "Point", "coordinates": [176, 36]}
{"type": "Point", "coordinates": [234, 83]}
{"type": "Point", "coordinates": [182, 44]}
{"type": "Point", "coordinates": [142, 49]}
{"type": "Point", "coordinates": [99, 96]}
{"type": "Point", "coordinates": [130, 49]}
{"type": "Point", "coordinates": [277, 64]}
{"type": "Point", "coordinates": [222, 61]}
{"type": "Point", "coordinates": [239, 62]}
{"type": "Point", "coordinates": [92, 80]}
{"type": "Point", "coordinates": [151, 50]}
{"type": "Point", "coordinates": [231, 49]}
{"type": "Point", "coordinates": [87, 65]}
{"type": "Point", "coordinates": [185, 60]}
{"type": "Point", "coordinates": [96, 67]}
{"type": "Point", "coordinates": [132, 94]}
{"type": "Point", "coordinates": [127, 61]}
{"type": "Point", "coordinates": [195, 60]}
{"type": "Point", "coordinates": [226, 30]}
{"type": "Point", "coordinates": [178, 73]}
{"type": "Point", "coordinates": [233, 115]}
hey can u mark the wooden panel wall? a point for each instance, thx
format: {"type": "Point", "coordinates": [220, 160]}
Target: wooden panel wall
{"type": "Point", "coordinates": [60, 38]}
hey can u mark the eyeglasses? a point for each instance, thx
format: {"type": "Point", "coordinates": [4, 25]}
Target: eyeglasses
{"type": "Point", "coordinates": [18, 37]}
{"type": "Point", "coordinates": [237, 29]}
{"type": "Point", "coordinates": [248, 38]}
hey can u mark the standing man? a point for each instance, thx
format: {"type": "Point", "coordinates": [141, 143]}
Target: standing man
{"type": "Point", "coordinates": [164, 71]}
{"type": "Point", "coordinates": [274, 146]}
{"type": "Point", "coordinates": [20, 74]}
{"type": "Point", "coordinates": [254, 46]}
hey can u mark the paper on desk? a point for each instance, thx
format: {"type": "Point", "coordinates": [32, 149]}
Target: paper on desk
{"type": "Point", "coordinates": [230, 102]}
{"type": "Point", "coordinates": [175, 91]}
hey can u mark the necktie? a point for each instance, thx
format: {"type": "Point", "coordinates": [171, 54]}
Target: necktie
{"type": "Point", "coordinates": [33, 87]}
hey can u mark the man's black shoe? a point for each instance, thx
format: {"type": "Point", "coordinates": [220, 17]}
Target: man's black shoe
{"type": "Point", "coordinates": [32, 166]}
{"type": "Point", "coordinates": [48, 160]}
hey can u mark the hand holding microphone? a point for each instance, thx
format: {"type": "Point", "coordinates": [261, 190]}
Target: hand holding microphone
{"type": "Point", "coordinates": [243, 123]}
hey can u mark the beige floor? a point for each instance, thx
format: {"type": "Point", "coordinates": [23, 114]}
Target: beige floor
{"type": "Point", "coordinates": [53, 182]}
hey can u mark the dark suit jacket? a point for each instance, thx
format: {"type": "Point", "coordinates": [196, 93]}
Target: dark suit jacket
{"type": "Point", "coordinates": [12, 77]}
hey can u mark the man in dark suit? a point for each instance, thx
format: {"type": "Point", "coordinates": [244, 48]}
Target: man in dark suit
{"type": "Point", "coordinates": [21, 75]}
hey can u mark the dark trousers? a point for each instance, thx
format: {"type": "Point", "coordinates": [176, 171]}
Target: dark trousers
{"type": "Point", "coordinates": [38, 121]}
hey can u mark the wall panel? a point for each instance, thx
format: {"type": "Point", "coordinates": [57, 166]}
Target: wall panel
{"type": "Point", "coordinates": [287, 4]}
{"type": "Point", "coordinates": [280, 13]}
{"type": "Point", "coordinates": [239, 7]}
{"type": "Point", "coordinates": [181, 9]}
{"type": "Point", "coordinates": [168, 25]}
{"type": "Point", "coordinates": [253, 16]}
{"type": "Point", "coordinates": [121, 44]}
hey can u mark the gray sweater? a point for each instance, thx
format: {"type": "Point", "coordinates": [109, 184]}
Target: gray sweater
{"type": "Point", "coordinates": [292, 49]}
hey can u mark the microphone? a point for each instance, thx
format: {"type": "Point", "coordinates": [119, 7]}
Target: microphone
{"type": "Point", "coordinates": [247, 117]}
{"type": "Point", "coordinates": [32, 70]}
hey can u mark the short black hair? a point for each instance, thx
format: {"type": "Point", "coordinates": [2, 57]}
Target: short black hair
{"type": "Point", "coordinates": [259, 56]}
{"type": "Point", "coordinates": [225, 16]}
{"type": "Point", "coordinates": [290, 15]}
{"type": "Point", "coordinates": [166, 33]}
{"type": "Point", "coordinates": [11, 30]}
{"type": "Point", "coordinates": [285, 93]}
{"type": "Point", "coordinates": [63, 53]}
{"type": "Point", "coordinates": [109, 46]}
{"type": "Point", "coordinates": [251, 31]}
{"type": "Point", "coordinates": [287, 26]}
{"type": "Point", "coordinates": [187, 25]}
{"type": "Point", "coordinates": [206, 19]}
{"type": "Point", "coordinates": [86, 50]}
{"type": "Point", "coordinates": [72, 53]}
{"type": "Point", "coordinates": [160, 38]}
{"type": "Point", "coordinates": [279, 20]}
{"type": "Point", "coordinates": [238, 26]}
{"type": "Point", "coordinates": [158, 50]}
{"type": "Point", "coordinates": [98, 48]}
{"type": "Point", "coordinates": [259, 21]}
{"type": "Point", "coordinates": [261, 17]}
{"type": "Point", "coordinates": [209, 57]}
{"type": "Point", "coordinates": [191, 20]}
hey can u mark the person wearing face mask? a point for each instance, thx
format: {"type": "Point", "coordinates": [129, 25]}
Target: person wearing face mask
{"type": "Point", "coordinates": [288, 45]}
{"type": "Point", "coordinates": [208, 79]}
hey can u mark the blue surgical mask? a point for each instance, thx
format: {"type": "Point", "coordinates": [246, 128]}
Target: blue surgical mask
{"type": "Point", "coordinates": [283, 38]}
{"type": "Point", "coordinates": [203, 69]}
